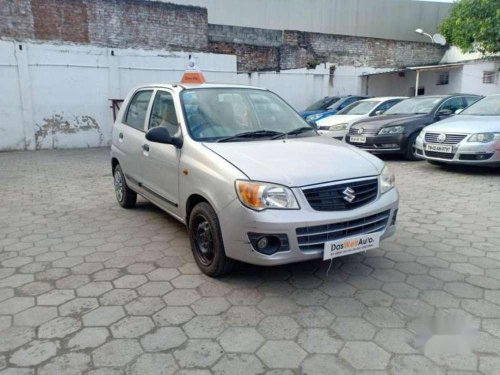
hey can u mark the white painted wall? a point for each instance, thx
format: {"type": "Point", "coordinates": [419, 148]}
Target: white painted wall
{"type": "Point", "coordinates": [57, 96]}
{"type": "Point", "coordinates": [473, 78]}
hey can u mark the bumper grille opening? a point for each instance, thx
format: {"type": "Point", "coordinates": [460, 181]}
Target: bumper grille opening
{"type": "Point", "coordinates": [475, 156]}
{"type": "Point", "coordinates": [439, 155]}
{"type": "Point", "coordinates": [333, 197]}
{"type": "Point", "coordinates": [314, 238]}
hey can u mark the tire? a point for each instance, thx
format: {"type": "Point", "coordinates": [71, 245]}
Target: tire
{"type": "Point", "coordinates": [125, 196]}
{"type": "Point", "coordinates": [410, 148]}
{"type": "Point", "coordinates": [206, 241]}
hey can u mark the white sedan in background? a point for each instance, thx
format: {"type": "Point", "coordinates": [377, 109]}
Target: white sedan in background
{"type": "Point", "coordinates": [471, 137]}
{"type": "Point", "coordinates": [336, 126]}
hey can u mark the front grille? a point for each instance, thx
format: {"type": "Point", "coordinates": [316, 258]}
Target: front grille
{"type": "Point", "coordinates": [314, 238]}
{"type": "Point", "coordinates": [440, 155]}
{"type": "Point", "coordinates": [451, 139]}
{"type": "Point", "coordinates": [353, 131]}
{"type": "Point", "coordinates": [331, 197]}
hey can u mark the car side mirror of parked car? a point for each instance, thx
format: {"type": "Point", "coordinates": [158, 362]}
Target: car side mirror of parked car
{"type": "Point", "coordinates": [444, 113]}
{"type": "Point", "coordinates": [458, 111]}
{"type": "Point", "coordinates": [379, 112]}
{"type": "Point", "coordinates": [160, 134]}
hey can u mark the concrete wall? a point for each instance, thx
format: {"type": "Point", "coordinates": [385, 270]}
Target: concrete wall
{"type": "Point", "coordinates": [57, 96]}
{"type": "Point", "coordinates": [473, 77]}
{"type": "Point", "coordinates": [388, 19]}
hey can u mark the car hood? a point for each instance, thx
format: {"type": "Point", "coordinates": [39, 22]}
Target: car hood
{"type": "Point", "coordinates": [298, 161]}
{"type": "Point", "coordinates": [389, 120]}
{"type": "Point", "coordinates": [467, 124]}
{"type": "Point", "coordinates": [339, 119]}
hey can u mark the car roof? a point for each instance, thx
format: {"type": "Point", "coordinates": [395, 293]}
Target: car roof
{"type": "Point", "coordinates": [383, 98]}
{"type": "Point", "coordinates": [198, 86]}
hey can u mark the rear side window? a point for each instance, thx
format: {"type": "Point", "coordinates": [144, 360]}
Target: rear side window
{"type": "Point", "coordinates": [137, 109]}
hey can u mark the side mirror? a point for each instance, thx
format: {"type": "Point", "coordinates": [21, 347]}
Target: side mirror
{"type": "Point", "coordinates": [160, 134]}
{"type": "Point", "coordinates": [444, 113]}
{"type": "Point", "coordinates": [379, 112]}
{"type": "Point", "coordinates": [458, 111]}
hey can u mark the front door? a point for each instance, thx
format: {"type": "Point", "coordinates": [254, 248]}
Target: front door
{"type": "Point", "coordinates": [160, 172]}
{"type": "Point", "coordinates": [130, 136]}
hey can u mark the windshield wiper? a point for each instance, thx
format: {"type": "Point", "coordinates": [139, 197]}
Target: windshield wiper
{"type": "Point", "coordinates": [252, 134]}
{"type": "Point", "coordinates": [300, 130]}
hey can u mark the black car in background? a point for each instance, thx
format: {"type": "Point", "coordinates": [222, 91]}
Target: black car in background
{"type": "Point", "coordinates": [397, 129]}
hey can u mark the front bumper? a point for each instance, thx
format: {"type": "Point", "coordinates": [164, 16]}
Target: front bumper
{"type": "Point", "coordinates": [472, 153]}
{"type": "Point", "coordinates": [237, 221]}
{"type": "Point", "coordinates": [384, 144]}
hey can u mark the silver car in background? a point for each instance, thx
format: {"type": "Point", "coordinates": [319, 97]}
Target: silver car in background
{"type": "Point", "coordinates": [240, 168]}
{"type": "Point", "coordinates": [471, 137]}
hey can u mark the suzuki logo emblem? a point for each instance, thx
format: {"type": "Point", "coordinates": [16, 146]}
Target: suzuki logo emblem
{"type": "Point", "coordinates": [361, 130]}
{"type": "Point", "coordinates": [441, 137]}
{"type": "Point", "coordinates": [349, 195]}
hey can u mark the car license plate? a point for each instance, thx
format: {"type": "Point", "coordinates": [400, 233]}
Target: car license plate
{"type": "Point", "coordinates": [351, 245]}
{"type": "Point", "coordinates": [439, 148]}
{"type": "Point", "coordinates": [357, 139]}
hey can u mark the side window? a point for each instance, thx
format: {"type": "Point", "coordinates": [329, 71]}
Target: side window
{"type": "Point", "coordinates": [452, 104]}
{"type": "Point", "coordinates": [163, 113]}
{"type": "Point", "coordinates": [382, 108]}
{"type": "Point", "coordinates": [346, 103]}
{"type": "Point", "coordinates": [137, 109]}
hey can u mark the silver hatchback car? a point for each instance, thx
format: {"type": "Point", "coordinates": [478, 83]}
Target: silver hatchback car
{"type": "Point", "coordinates": [240, 168]}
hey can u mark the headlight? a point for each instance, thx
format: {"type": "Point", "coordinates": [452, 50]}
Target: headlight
{"type": "Point", "coordinates": [314, 117]}
{"type": "Point", "coordinates": [484, 137]}
{"type": "Point", "coordinates": [338, 127]}
{"type": "Point", "coordinates": [387, 180]}
{"type": "Point", "coordinates": [392, 130]}
{"type": "Point", "coordinates": [261, 195]}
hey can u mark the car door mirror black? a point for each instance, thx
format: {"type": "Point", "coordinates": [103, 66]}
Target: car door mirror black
{"type": "Point", "coordinates": [160, 134]}
{"type": "Point", "coordinates": [444, 112]}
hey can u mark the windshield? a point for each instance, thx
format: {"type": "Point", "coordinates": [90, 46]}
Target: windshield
{"type": "Point", "coordinates": [488, 106]}
{"type": "Point", "coordinates": [216, 113]}
{"type": "Point", "coordinates": [422, 105]}
{"type": "Point", "coordinates": [322, 104]}
{"type": "Point", "coordinates": [359, 108]}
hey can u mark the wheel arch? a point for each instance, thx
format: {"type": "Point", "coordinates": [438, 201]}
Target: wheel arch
{"type": "Point", "coordinates": [114, 163]}
{"type": "Point", "coordinates": [191, 202]}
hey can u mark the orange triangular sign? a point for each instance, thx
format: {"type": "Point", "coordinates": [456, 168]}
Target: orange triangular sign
{"type": "Point", "coordinates": [192, 74]}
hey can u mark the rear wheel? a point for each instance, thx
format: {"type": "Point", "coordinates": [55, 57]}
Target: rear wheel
{"type": "Point", "coordinates": [411, 151]}
{"type": "Point", "coordinates": [125, 196]}
{"type": "Point", "coordinates": [206, 241]}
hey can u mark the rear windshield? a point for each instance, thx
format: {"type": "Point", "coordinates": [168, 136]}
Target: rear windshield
{"type": "Point", "coordinates": [322, 104]}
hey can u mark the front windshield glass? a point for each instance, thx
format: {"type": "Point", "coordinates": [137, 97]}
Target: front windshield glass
{"type": "Point", "coordinates": [359, 108]}
{"type": "Point", "coordinates": [420, 105]}
{"type": "Point", "coordinates": [488, 106]}
{"type": "Point", "coordinates": [216, 113]}
{"type": "Point", "coordinates": [322, 104]}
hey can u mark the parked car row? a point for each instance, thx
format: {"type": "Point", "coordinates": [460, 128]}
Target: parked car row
{"type": "Point", "coordinates": [432, 127]}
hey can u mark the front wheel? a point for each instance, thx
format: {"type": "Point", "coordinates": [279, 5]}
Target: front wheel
{"type": "Point", "coordinates": [411, 151]}
{"type": "Point", "coordinates": [206, 241]}
{"type": "Point", "coordinates": [125, 196]}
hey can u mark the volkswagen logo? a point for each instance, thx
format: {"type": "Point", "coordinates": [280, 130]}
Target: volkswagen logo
{"type": "Point", "coordinates": [349, 194]}
{"type": "Point", "coordinates": [441, 137]}
{"type": "Point", "coordinates": [361, 130]}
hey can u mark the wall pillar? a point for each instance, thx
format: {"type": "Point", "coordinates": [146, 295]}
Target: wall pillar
{"type": "Point", "coordinates": [23, 74]}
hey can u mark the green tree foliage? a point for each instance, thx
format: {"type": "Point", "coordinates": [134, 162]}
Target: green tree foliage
{"type": "Point", "coordinates": [473, 25]}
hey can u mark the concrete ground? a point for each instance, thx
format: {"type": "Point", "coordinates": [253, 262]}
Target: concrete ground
{"type": "Point", "coordinates": [87, 287]}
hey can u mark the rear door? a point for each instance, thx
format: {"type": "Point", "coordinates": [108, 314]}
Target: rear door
{"type": "Point", "coordinates": [131, 135]}
{"type": "Point", "coordinates": [160, 162]}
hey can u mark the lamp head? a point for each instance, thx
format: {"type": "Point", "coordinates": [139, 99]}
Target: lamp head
{"type": "Point", "coordinates": [419, 31]}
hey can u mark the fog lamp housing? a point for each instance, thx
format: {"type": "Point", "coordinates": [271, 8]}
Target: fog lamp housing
{"type": "Point", "coordinates": [269, 243]}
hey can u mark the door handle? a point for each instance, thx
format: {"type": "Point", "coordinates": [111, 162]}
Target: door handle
{"type": "Point", "coordinates": [145, 147]}
{"type": "Point", "coordinates": [120, 135]}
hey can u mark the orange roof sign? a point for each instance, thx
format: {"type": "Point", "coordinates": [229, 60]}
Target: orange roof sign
{"type": "Point", "coordinates": [192, 73]}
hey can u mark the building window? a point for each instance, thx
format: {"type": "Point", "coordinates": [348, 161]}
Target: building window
{"type": "Point", "coordinates": [489, 77]}
{"type": "Point", "coordinates": [443, 78]}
